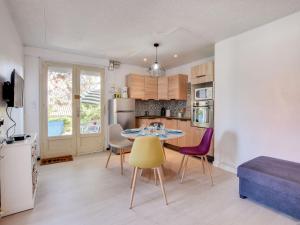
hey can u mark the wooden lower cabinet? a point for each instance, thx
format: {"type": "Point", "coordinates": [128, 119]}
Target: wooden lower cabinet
{"type": "Point", "coordinates": [171, 124]}
{"type": "Point", "coordinates": [141, 122]}
{"type": "Point", "coordinates": [192, 137]}
{"type": "Point", "coordinates": [187, 139]}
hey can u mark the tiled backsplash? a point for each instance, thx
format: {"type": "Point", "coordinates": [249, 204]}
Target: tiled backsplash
{"type": "Point", "coordinates": [154, 106]}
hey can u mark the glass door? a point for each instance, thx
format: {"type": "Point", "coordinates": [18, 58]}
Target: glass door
{"type": "Point", "coordinates": [90, 136]}
{"type": "Point", "coordinates": [72, 110]}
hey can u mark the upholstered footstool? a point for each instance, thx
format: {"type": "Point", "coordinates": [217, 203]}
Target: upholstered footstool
{"type": "Point", "coordinates": [272, 182]}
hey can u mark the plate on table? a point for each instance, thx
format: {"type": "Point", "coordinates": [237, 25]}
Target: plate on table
{"type": "Point", "coordinates": [131, 131]}
{"type": "Point", "coordinates": [174, 131]}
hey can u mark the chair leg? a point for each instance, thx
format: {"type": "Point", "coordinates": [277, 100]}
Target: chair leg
{"type": "Point", "coordinates": [162, 185]}
{"type": "Point", "coordinates": [124, 155]}
{"type": "Point", "coordinates": [202, 161]}
{"type": "Point", "coordinates": [133, 187]}
{"type": "Point", "coordinates": [110, 151]}
{"type": "Point", "coordinates": [184, 169]}
{"type": "Point", "coordinates": [132, 176]}
{"type": "Point", "coordinates": [155, 176]}
{"type": "Point", "coordinates": [121, 160]}
{"type": "Point", "coordinates": [209, 169]}
{"type": "Point", "coordinates": [181, 164]}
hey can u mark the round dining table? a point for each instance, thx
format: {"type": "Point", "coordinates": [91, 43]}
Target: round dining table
{"type": "Point", "coordinates": [163, 136]}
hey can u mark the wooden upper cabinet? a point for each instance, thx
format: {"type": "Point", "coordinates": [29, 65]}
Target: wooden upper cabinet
{"type": "Point", "coordinates": [150, 87]}
{"type": "Point", "coordinates": [202, 73]}
{"type": "Point", "coordinates": [177, 87]}
{"type": "Point", "coordinates": [162, 92]}
{"type": "Point", "coordinates": [136, 86]}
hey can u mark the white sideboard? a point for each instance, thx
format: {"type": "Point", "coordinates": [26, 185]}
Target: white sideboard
{"type": "Point", "coordinates": [18, 176]}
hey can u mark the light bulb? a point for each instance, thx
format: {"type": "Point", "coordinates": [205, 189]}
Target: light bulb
{"type": "Point", "coordinates": [156, 66]}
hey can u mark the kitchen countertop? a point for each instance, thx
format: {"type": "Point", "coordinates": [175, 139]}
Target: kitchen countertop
{"type": "Point", "coordinates": [171, 117]}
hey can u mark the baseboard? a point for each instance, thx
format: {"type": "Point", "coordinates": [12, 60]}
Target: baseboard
{"type": "Point", "coordinates": [226, 167]}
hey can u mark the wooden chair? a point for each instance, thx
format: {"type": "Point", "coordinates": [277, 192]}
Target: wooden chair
{"type": "Point", "coordinates": [117, 141]}
{"type": "Point", "coordinates": [146, 153]}
{"type": "Point", "coordinates": [201, 150]}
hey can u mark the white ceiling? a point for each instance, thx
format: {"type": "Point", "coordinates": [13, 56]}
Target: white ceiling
{"type": "Point", "coordinates": [126, 29]}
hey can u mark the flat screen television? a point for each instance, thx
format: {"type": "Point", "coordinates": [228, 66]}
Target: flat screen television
{"type": "Point", "coordinates": [13, 91]}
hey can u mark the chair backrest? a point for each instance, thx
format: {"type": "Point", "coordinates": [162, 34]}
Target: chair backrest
{"type": "Point", "coordinates": [206, 140]}
{"type": "Point", "coordinates": [146, 152]}
{"type": "Point", "coordinates": [114, 133]}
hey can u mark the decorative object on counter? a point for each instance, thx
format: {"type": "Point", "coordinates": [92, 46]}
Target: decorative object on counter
{"type": "Point", "coordinates": [119, 92]}
{"type": "Point", "coordinates": [181, 113]}
{"type": "Point", "coordinates": [168, 113]}
{"type": "Point", "coordinates": [124, 92]}
{"type": "Point", "coordinates": [156, 69]}
{"type": "Point", "coordinates": [146, 113]}
{"type": "Point", "coordinates": [163, 111]}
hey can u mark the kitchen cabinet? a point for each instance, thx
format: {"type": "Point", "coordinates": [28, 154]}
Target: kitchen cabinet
{"type": "Point", "coordinates": [177, 87]}
{"type": "Point", "coordinates": [162, 90]}
{"type": "Point", "coordinates": [136, 86]}
{"type": "Point", "coordinates": [202, 73]}
{"type": "Point", "coordinates": [151, 87]}
{"type": "Point", "coordinates": [141, 122]}
{"type": "Point", "coordinates": [187, 139]}
{"type": "Point", "coordinates": [171, 124]}
{"type": "Point", "coordinates": [157, 88]}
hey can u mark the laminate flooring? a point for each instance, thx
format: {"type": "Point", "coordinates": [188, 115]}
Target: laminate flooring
{"type": "Point", "coordinates": [83, 192]}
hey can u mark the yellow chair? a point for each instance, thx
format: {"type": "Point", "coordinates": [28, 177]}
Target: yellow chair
{"type": "Point", "coordinates": [146, 153]}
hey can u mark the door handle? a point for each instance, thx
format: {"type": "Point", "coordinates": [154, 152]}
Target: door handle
{"type": "Point", "coordinates": [77, 97]}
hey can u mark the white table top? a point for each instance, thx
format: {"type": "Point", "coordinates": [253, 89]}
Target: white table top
{"type": "Point", "coordinates": [168, 136]}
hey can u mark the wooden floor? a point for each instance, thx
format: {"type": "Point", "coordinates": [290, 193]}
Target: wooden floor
{"type": "Point", "coordinates": [83, 192]}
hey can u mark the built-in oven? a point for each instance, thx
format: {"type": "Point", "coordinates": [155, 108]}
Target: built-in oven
{"type": "Point", "coordinates": [203, 113]}
{"type": "Point", "coordinates": [203, 93]}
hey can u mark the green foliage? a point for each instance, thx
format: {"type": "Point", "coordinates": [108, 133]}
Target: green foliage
{"type": "Point", "coordinates": [89, 112]}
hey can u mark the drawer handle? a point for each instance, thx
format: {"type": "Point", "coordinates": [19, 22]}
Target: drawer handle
{"type": "Point", "coordinates": [201, 75]}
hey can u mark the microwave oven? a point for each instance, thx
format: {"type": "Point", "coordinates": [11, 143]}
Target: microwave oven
{"type": "Point", "coordinates": [203, 93]}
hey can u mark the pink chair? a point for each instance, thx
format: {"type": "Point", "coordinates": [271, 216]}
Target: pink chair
{"type": "Point", "coordinates": [201, 150]}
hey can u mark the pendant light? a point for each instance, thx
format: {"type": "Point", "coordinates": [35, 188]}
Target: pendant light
{"type": "Point", "coordinates": [156, 69]}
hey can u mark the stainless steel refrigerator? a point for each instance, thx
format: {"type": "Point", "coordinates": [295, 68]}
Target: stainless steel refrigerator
{"type": "Point", "coordinates": [122, 111]}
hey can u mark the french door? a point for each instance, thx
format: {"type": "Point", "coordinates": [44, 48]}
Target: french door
{"type": "Point", "coordinates": [72, 110]}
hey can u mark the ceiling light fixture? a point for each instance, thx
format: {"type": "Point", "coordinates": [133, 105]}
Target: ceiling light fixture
{"type": "Point", "coordinates": [175, 56]}
{"type": "Point", "coordinates": [156, 69]}
{"type": "Point", "coordinates": [113, 65]}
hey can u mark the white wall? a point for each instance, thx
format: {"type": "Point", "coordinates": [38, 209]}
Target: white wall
{"type": "Point", "coordinates": [186, 68]}
{"type": "Point", "coordinates": [257, 107]}
{"type": "Point", "coordinates": [33, 58]}
{"type": "Point", "coordinates": [11, 57]}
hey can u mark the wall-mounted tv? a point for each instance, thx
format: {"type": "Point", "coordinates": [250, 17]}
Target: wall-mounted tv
{"type": "Point", "coordinates": [13, 91]}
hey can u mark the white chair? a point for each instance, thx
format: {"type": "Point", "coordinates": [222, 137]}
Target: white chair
{"type": "Point", "coordinates": [116, 140]}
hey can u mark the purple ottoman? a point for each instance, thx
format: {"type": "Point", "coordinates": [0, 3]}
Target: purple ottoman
{"type": "Point", "coordinates": [272, 182]}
